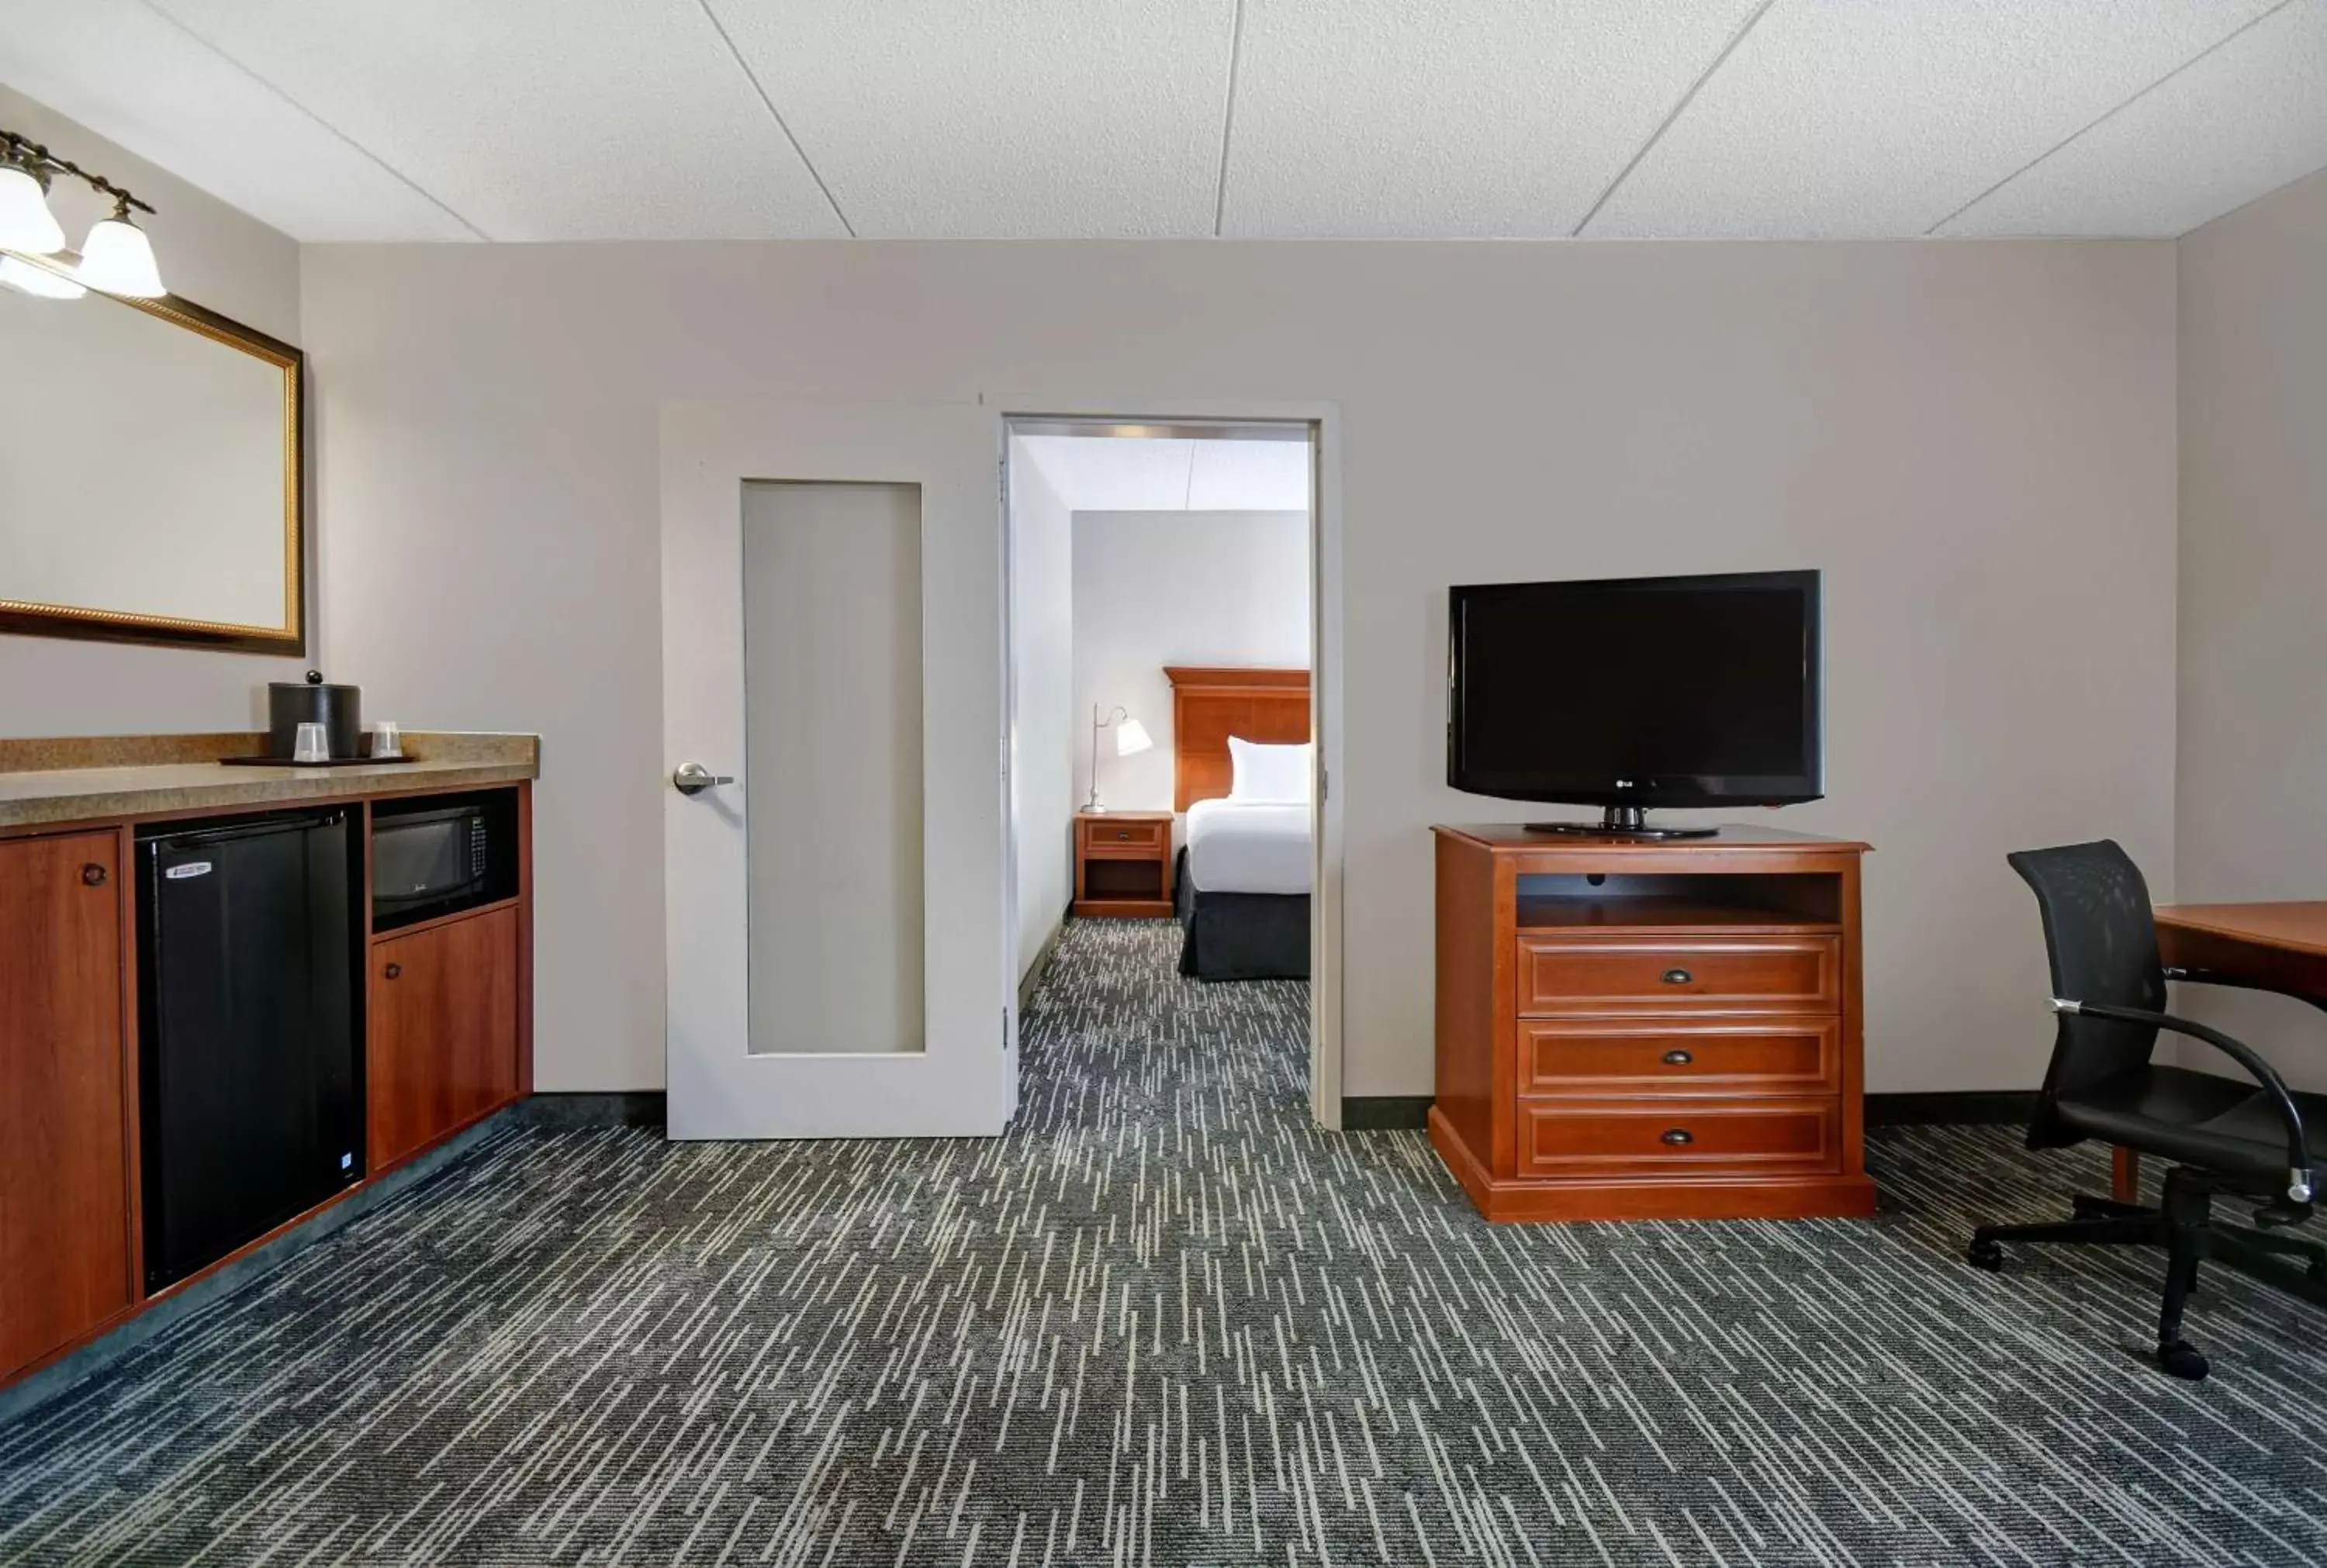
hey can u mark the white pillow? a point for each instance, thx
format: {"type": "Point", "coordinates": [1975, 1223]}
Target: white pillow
{"type": "Point", "coordinates": [1258, 772]}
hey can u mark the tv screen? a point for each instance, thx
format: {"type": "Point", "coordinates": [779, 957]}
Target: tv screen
{"type": "Point", "coordinates": [1638, 691]}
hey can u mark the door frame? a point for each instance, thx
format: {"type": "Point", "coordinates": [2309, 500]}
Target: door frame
{"type": "Point", "coordinates": [1326, 682]}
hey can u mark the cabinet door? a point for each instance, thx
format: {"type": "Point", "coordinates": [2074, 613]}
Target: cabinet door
{"type": "Point", "coordinates": [443, 1031]}
{"type": "Point", "coordinates": [64, 1173]}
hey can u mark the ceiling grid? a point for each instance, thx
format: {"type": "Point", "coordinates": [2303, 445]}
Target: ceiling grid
{"type": "Point", "coordinates": [398, 175]}
{"type": "Point", "coordinates": [435, 121]}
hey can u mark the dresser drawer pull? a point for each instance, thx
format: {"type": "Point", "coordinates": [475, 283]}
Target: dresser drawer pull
{"type": "Point", "coordinates": [1677, 1135]}
{"type": "Point", "coordinates": [1678, 1059]}
{"type": "Point", "coordinates": [1123, 833]}
{"type": "Point", "coordinates": [1678, 977]}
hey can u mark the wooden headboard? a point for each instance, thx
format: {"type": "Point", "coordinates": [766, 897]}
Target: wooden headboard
{"type": "Point", "coordinates": [1210, 705]}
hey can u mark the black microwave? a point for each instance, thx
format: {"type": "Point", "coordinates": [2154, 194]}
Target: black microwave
{"type": "Point", "coordinates": [439, 859]}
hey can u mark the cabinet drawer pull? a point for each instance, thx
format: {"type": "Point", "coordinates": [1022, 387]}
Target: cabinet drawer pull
{"type": "Point", "coordinates": [1678, 1059]}
{"type": "Point", "coordinates": [1677, 1135]}
{"type": "Point", "coordinates": [92, 875]}
{"type": "Point", "coordinates": [1123, 833]}
{"type": "Point", "coordinates": [393, 970]}
{"type": "Point", "coordinates": [1678, 977]}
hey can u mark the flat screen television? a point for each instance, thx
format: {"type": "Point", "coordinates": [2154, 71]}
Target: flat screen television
{"type": "Point", "coordinates": [1632, 692]}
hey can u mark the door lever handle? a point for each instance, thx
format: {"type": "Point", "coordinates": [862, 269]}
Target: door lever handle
{"type": "Point", "coordinates": [694, 779]}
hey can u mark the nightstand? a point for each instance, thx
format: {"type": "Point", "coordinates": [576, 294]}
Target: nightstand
{"type": "Point", "coordinates": [1123, 865]}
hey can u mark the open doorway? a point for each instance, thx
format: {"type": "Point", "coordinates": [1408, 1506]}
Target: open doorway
{"type": "Point", "coordinates": [1167, 788]}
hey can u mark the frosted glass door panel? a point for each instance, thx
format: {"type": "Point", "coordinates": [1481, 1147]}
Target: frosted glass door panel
{"type": "Point", "coordinates": [832, 775]}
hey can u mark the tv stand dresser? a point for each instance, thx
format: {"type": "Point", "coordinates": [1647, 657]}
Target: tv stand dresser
{"type": "Point", "coordinates": [1634, 1030]}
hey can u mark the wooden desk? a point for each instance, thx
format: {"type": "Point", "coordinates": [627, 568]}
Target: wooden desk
{"type": "Point", "coordinates": [2283, 945]}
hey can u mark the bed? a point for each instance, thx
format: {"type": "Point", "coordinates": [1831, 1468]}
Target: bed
{"type": "Point", "coordinates": [1243, 878]}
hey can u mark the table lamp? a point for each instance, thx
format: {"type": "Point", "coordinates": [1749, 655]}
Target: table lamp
{"type": "Point", "coordinates": [1131, 738]}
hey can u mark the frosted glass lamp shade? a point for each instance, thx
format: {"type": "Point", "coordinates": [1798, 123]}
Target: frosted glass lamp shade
{"type": "Point", "coordinates": [120, 259]}
{"type": "Point", "coordinates": [37, 281]}
{"type": "Point", "coordinates": [1131, 738]}
{"type": "Point", "coordinates": [26, 224]}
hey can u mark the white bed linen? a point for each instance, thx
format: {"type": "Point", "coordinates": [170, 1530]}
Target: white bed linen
{"type": "Point", "coordinates": [1238, 846]}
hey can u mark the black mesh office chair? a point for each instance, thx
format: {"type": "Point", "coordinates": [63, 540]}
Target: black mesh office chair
{"type": "Point", "coordinates": [2223, 1135]}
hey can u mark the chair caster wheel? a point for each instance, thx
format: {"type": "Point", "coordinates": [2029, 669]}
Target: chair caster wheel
{"type": "Point", "coordinates": [1986, 1254]}
{"type": "Point", "coordinates": [2181, 1360]}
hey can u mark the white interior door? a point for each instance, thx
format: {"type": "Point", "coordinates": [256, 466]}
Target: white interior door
{"type": "Point", "coordinates": [833, 669]}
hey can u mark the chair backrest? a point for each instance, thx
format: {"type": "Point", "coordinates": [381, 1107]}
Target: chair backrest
{"type": "Point", "coordinates": [2102, 935]}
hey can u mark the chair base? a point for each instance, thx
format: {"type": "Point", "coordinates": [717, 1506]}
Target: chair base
{"type": "Point", "coordinates": [2182, 1225]}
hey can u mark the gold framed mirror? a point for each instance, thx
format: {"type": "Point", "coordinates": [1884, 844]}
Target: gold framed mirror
{"type": "Point", "coordinates": [153, 474]}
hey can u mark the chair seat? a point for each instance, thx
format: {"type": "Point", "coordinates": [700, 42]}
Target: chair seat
{"type": "Point", "coordinates": [2195, 1118]}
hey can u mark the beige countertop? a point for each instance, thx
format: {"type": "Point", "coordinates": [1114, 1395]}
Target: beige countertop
{"type": "Point", "coordinates": [102, 778]}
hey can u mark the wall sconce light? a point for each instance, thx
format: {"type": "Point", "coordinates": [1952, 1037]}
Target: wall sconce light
{"type": "Point", "coordinates": [26, 224]}
{"type": "Point", "coordinates": [115, 258]}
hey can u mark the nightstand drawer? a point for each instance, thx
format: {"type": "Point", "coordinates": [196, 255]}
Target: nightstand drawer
{"type": "Point", "coordinates": [1125, 837]}
{"type": "Point", "coordinates": [1573, 973]}
{"type": "Point", "coordinates": [1646, 1137]}
{"type": "Point", "coordinates": [1599, 1056]}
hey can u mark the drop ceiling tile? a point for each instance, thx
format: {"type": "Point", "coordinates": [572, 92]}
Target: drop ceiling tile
{"type": "Point", "coordinates": [1847, 118]}
{"type": "Point", "coordinates": [2244, 121]}
{"type": "Point", "coordinates": [1008, 118]}
{"type": "Point", "coordinates": [136, 78]}
{"type": "Point", "coordinates": [537, 119]}
{"type": "Point", "coordinates": [1249, 476]}
{"type": "Point", "coordinates": [1431, 118]}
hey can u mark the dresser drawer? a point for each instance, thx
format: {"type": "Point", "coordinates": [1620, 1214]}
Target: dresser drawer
{"type": "Point", "coordinates": [1599, 973]}
{"type": "Point", "coordinates": [1599, 1056]}
{"type": "Point", "coordinates": [1143, 838]}
{"type": "Point", "coordinates": [1675, 1137]}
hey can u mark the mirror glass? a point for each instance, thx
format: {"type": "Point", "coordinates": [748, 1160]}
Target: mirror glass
{"type": "Point", "coordinates": [149, 475]}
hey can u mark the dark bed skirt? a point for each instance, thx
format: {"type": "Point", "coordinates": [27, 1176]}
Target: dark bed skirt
{"type": "Point", "coordinates": [1240, 936]}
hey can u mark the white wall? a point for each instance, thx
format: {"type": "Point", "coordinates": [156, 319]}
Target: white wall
{"type": "Point", "coordinates": [2253, 709]}
{"type": "Point", "coordinates": [1043, 745]}
{"type": "Point", "coordinates": [237, 266]}
{"type": "Point", "coordinates": [1976, 440]}
{"type": "Point", "coordinates": [1158, 588]}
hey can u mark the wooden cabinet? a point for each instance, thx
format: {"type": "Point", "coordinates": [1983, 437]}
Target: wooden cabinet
{"type": "Point", "coordinates": [1631, 1029]}
{"type": "Point", "coordinates": [1123, 865]}
{"type": "Point", "coordinates": [449, 1008]}
{"type": "Point", "coordinates": [445, 1040]}
{"type": "Point", "coordinates": [66, 1252]}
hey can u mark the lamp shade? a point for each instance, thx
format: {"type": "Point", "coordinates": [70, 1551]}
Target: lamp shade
{"type": "Point", "coordinates": [23, 276]}
{"type": "Point", "coordinates": [1131, 738]}
{"type": "Point", "coordinates": [26, 224]}
{"type": "Point", "coordinates": [118, 259]}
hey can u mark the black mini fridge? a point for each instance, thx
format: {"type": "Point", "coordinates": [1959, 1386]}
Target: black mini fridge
{"type": "Point", "coordinates": [250, 1092]}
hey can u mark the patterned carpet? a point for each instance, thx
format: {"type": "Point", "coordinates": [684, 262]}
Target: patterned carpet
{"type": "Point", "coordinates": [1166, 1322]}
